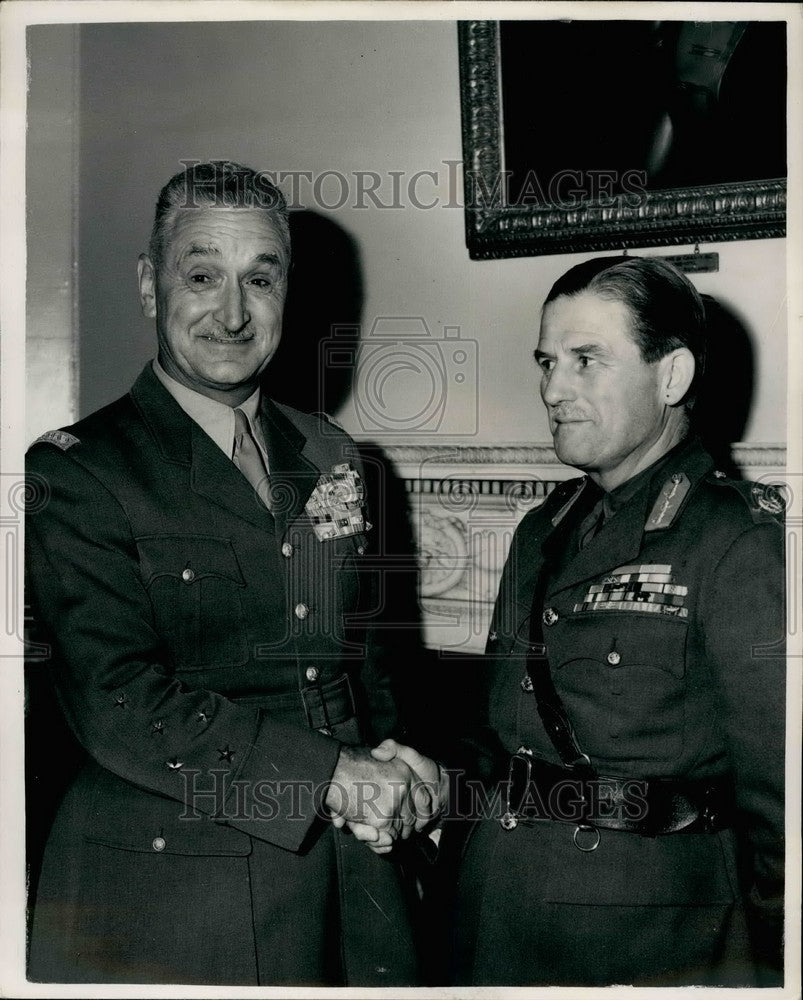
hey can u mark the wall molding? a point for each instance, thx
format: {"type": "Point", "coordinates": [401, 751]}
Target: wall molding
{"type": "Point", "coordinates": [531, 462]}
{"type": "Point", "coordinates": [744, 454]}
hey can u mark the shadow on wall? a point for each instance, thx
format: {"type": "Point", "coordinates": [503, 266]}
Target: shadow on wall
{"type": "Point", "coordinates": [313, 370]}
{"type": "Point", "coordinates": [321, 317]}
{"type": "Point", "coordinates": [725, 395]}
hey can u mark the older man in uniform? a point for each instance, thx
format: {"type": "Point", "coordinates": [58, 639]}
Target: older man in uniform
{"type": "Point", "coordinates": [635, 676]}
{"type": "Point", "coordinates": [195, 561]}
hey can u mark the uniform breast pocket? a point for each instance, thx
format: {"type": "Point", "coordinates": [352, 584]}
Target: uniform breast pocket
{"type": "Point", "coordinates": [195, 583]}
{"type": "Point", "coordinates": [622, 676]}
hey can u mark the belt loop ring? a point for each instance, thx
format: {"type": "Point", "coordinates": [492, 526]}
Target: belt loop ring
{"type": "Point", "coordinates": [586, 827]}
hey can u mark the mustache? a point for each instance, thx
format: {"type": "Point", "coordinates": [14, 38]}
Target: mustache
{"type": "Point", "coordinates": [564, 413]}
{"type": "Point", "coordinates": [224, 335]}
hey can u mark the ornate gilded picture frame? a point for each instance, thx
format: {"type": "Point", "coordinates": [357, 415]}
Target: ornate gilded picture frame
{"type": "Point", "coordinates": [644, 216]}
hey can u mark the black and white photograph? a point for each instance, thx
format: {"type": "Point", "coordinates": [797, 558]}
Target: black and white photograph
{"type": "Point", "coordinates": [401, 446]}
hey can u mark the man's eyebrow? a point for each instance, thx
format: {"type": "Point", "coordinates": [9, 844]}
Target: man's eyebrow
{"type": "Point", "coordinates": [209, 250]}
{"type": "Point", "coordinates": [201, 250]}
{"type": "Point", "coordinates": [588, 349]}
{"type": "Point", "coordinates": [597, 349]}
{"type": "Point", "coordinates": [268, 258]}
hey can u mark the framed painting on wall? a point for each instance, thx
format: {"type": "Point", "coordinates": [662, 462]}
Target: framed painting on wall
{"type": "Point", "coordinates": [581, 136]}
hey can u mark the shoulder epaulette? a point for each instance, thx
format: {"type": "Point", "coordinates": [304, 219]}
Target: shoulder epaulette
{"type": "Point", "coordinates": [763, 500]}
{"type": "Point", "coordinates": [330, 420]}
{"type": "Point", "coordinates": [61, 439]}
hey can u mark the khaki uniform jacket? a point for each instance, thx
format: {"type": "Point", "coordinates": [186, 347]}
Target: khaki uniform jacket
{"type": "Point", "coordinates": [688, 683]}
{"type": "Point", "coordinates": [205, 657]}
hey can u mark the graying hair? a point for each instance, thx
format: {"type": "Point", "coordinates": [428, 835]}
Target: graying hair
{"type": "Point", "coordinates": [216, 184]}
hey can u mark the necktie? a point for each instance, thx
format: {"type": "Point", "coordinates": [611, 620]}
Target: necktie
{"type": "Point", "coordinates": [592, 524]}
{"type": "Point", "coordinates": [248, 458]}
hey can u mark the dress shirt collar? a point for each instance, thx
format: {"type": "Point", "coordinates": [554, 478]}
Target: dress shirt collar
{"type": "Point", "coordinates": [214, 418]}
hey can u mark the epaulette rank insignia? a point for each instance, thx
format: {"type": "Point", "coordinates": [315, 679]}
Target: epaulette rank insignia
{"type": "Point", "coordinates": [768, 499]}
{"type": "Point", "coordinates": [669, 502]}
{"type": "Point", "coordinates": [764, 500]}
{"type": "Point", "coordinates": [61, 439]}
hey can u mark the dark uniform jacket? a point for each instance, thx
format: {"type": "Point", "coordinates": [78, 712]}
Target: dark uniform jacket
{"type": "Point", "coordinates": [687, 683]}
{"type": "Point", "coordinates": [204, 657]}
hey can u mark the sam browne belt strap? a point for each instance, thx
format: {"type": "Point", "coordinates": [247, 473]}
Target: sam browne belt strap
{"type": "Point", "coordinates": [575, 793]}
{"type": "Point", "coordinates": [539, 790]}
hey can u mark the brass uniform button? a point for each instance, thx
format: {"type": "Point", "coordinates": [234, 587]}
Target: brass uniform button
{"type": "Point", "coordinates": [188, 575]}
{"type": "Point", "coordinates": [301, 611]}
{"type": "Point", "coordinates": [509, 821]}
{"type": "Point", "coordinates": [312, 673]}
{"type": "Point", "coordinates": [526, 683]}
{"type": "Point", "coordinates": [158, 844]}
{"type": "Point", "coordinates": [549, 617]}
{"type": "Point", "coordinates": [614, 658]}
{"type": "Point", "coordinates": [287, 550]}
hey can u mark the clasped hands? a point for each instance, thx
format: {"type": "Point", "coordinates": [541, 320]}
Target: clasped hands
{"type": "Point", "coordinates": [385, 793]}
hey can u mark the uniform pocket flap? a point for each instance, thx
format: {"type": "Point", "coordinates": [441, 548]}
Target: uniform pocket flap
{"type": "Point", "coordinates": [189, 557]}
{"type": "Point", "coordinates": [131, 819]}
{"type": "Point", "coordinates": [619, 639]}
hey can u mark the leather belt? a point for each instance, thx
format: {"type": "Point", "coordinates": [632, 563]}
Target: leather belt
{"type": "Point", "coordinates": [328, 704]}
{"type": "Point", "coordinates": [539, 790]}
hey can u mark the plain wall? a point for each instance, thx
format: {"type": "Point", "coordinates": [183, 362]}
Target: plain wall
{"type": "Point", "coordinates": [340, 97]}
{"type": "Point", "coordinates": [51, 356]}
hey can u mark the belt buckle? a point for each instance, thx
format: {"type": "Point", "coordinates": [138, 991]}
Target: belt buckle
{"type": "Point", "coordinates": [519, 774]}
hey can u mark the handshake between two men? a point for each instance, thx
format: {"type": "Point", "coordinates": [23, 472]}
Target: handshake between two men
{"type": "Point", "coordinates": [385, 793]}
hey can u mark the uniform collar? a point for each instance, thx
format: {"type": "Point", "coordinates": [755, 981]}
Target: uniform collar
{"type": "Point", "coordinates": [620, 495]}
{"type": "Point", "coordinates": [215, 418]}
{"type": "Point", "coordinates": [621, 540]}
{"type": "Point", "coordinates": [181, 440]}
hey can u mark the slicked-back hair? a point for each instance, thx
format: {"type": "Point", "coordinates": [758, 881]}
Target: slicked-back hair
{"type": "Point", "coordinates": [666, 309]}
{"type": "Point", "coordinates": [216, 184]}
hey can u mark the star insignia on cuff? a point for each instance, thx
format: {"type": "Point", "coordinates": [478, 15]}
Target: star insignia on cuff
{"type": "Point", "coordinates": [226, 754]}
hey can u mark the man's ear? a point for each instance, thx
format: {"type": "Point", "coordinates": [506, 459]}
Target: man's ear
{"type": "Point", "coordinates": [677, 375]}
{"type": "Point", "coordinates": [146, 274]}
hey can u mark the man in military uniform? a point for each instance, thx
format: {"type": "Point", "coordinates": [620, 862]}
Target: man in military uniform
{"type": "Point", "coordinates": [195, 560]}
{"type": "Point", "coordinates": [635, 676]}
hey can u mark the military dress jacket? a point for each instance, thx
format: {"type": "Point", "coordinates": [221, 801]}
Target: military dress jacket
{"type": "Point", "coordinates": [664, 638]}
{"type": "Point", "coordinates": [207, 656]}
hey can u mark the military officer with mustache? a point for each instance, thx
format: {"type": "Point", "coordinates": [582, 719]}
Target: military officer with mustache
{"type": "Point", "coordinates": [195, 560]}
